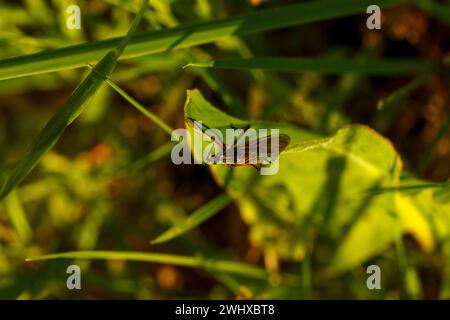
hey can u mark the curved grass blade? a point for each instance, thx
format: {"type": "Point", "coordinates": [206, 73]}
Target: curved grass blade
{"type": "Point", "coordinates": [398, 96]}
{"type": "Point", "coordinates": [428, 154]}
{"type": "Point", "coordinates": [71, 109]}
{"type": "Point", "coordinates": [390, 107]}
{"type": "Point", "coordinates": [329, 66]}
{"type": "Point", "coordinates": [194, 220]}
{"type": "Point", "coordinates": [18, 217]}
{"type": "Point", "coordinates": [414, 187]}
{"type": "Point", "coordinates": [151, 157]}
{"type": "Point", "coordinates": [153, 117]}
{"type": "Point", "coordinates": [210, 265]}
{"type": "Point", "coordinates": [186, 36]}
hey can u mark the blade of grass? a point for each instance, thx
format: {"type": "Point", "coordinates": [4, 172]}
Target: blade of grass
{"type": "Point", "coordinates": [390, 107]}
{"type": "Point", "coordinates": [14, 15]}
{"type": "Point", "coordinates": [210, 265]}
{"type": "Point", "coordinates": [428, 154]}
{"type": "Point", "coordinates": [151, 157]}
{"type": "Point", "coordinates": [231, 100]}
{"type": "Point", "coordinates": [18, 217]}
{"type": "Point", "coordinates": [186, 36]}
{"type": "Point", "coordinates": [233, 285]}
{"type": "Point", "coordinates": [154, 63]}
{"type": "Point", "coordinates": [411, 280]}
{"type": "Point", "coordinates": [399, 95]}
{"type": "Point", "coordinates": [444, 293]}
{"type": "Point", "coordinates": [153, 117]}
{"type": "Point", "coordinates": [333, 66]}
{"type": "Point", "coordinates": [198, 217]}
{"type": "Point", "coordinates": [435, 185]}
{"type": "Point", "coordinates": [71, 109]}
{"type": "Point", "coordinates": [159, 17]}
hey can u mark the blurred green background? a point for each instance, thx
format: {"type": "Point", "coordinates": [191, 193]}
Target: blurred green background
{"type": "Point", "coordinates": [109, 184]}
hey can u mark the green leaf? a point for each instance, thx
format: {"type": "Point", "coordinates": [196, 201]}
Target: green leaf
{"type": "Point", "coordinates": [71, 109]}
{"type": "Point", "coordinates": [195, 219]}
{"type": "Point", "coordinates": [329, 66]}
{"type": "Point", "coordinates": [186, 36]}
{"type": "Point", "coordinates": [347, 186]}
{"type": "Point", "coordinates": [198, 108]}
{"type": "Point", "coordinates": [210, 265]}
{"type": "Point", "coordinates": [433, 205]}
{"type": "Point", "coordinates": [421, 214]}
{"type": "Point", "coordinates": [322, 184]}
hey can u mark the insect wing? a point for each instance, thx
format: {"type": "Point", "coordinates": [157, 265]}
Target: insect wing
{"type": "Point", "coordinates": [256, 151]}
{"type": "Point", "coordinates": [265, 147]}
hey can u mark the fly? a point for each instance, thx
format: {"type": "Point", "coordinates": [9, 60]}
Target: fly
{"type": "Point", "coordinates": [243, 154]}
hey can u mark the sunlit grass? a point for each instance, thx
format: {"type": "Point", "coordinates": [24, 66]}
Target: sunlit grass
{"type": "Point", "coordinates": [310, 219]}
